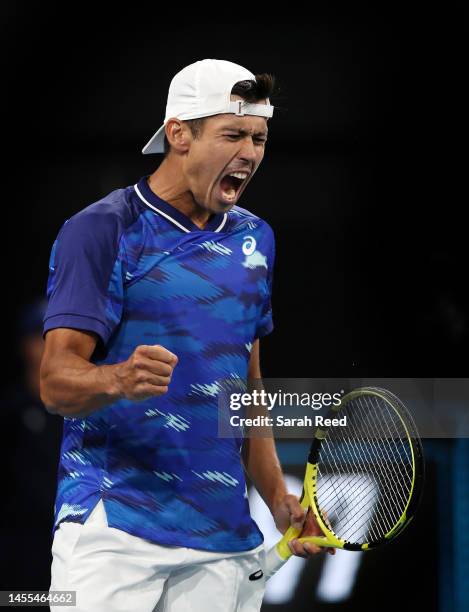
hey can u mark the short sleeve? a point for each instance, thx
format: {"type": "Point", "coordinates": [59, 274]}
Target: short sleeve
{"type": "Point", "coordinates": [265, 322]}
{"type": "Point", "coordinates": [86, 275]}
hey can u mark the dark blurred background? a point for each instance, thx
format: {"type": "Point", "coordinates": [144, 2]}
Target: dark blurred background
{"type": "Point", "coordinates": [363, 182]}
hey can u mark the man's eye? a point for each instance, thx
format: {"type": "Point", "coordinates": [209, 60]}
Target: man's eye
{"type": "Point", "coordinates": [238, 136]}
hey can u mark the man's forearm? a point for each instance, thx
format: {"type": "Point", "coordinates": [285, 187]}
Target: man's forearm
{"type": "Point", "coordinates": [76, 387]}
{"type": "Point", "coordinates": [263, 468]}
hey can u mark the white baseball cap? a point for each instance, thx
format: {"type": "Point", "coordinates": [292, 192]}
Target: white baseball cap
{"type": "Point", "coordinates": [203, 89]}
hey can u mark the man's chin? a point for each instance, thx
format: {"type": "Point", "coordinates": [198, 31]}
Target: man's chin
{"type": "Point", "coordinates": [224, 207]}
{"type": "Point", "coordinates": [220, 205]}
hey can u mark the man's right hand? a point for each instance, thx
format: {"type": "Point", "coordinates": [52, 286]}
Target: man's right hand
{"type": "Point", "coordinates": [146, 373]}
{"type": "Point", "coordinates": [72, 386]}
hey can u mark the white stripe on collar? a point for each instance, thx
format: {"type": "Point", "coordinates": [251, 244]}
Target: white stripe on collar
{"type": "Point", "coordinates": [160, 211]}
{"type": "Point", "coordinates": [225, 216]}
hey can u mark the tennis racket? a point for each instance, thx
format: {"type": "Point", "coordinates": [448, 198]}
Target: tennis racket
{"type": "Point", "coordinates": [363, 481]}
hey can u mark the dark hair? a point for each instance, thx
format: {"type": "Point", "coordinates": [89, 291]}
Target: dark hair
{"type": "Point", "coordinates": [251, 91]}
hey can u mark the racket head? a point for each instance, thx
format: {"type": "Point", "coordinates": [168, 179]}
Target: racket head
{"type": "Point", "coordinates": [365, 480]}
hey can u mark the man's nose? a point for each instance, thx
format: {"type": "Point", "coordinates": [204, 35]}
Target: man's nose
{"type": "Point", "coordinates": [248, 150]}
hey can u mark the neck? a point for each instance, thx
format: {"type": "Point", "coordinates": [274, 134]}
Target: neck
{"type": "Point", "coordinates": [168, 183]}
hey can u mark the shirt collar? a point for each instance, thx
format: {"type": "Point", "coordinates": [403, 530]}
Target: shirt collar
{"type": "Point", "coordinates": [215, 223]}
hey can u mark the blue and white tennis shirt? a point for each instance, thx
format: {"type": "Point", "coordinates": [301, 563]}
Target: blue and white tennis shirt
{"type": "Point", "coordinates": [135, 270]}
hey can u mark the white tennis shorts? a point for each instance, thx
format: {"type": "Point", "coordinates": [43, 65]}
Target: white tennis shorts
{"type": "Point", "coordinates": [112, 570]}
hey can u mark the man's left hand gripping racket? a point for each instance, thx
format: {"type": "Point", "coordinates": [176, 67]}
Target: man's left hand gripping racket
{"type": "Point", "coordinates": [363, 481]}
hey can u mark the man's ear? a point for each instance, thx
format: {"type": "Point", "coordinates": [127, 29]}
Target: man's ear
{"type": "Point", "coordinates": [178, 135]}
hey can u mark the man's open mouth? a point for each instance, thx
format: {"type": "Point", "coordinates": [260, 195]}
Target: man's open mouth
{"type": "Point", "coordinates": [231, 183]}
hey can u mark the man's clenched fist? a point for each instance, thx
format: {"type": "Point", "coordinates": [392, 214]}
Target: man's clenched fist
{"type": "Point", "coordinates": [146, 373]}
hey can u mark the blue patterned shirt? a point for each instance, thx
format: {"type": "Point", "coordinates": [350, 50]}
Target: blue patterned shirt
{"type": "Point", "coordinates": [135, 270]}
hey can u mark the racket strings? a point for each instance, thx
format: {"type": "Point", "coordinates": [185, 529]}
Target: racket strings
{"type": "Point", "coordinates": [354, 484]}
{"type": "Point", "coordinates": [366, 511]}
{"type": "Point", "coordinates": [397, 473]}
{"type": "Point", "coordinates": [351, 469]}
{"type": "Point", "coordinates": [340, 496]}
{"type": "Point", "coordinates": [365, 471]}
{"type": "Point", "coordinates": [361, 490]}
{"type": "Point", "coordinates": [355, 514]}
{"type": "Point", "coordinates": [369, 497]}
{"type": "Point", "coordinates": [366, 493]}
{"type": "Point", "coordinates": [365, 497]}
{"type": "Point", "coordinates": [363, 494]}
{"type": "Point", "coordinates": [405, 448]}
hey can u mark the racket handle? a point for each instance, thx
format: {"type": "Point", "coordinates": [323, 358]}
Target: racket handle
{"type": "Point", "coordinates": [273, 562]}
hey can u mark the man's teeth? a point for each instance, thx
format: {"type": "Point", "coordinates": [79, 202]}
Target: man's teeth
{"type": "Point", "coordinates": [230, 194]}
{"type": "Point", "coordinates": [240, 175]}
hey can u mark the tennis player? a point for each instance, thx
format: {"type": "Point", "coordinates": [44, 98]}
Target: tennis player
{"type": "Point", "coordinates": [157, 293]}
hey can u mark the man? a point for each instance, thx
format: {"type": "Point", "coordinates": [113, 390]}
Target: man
{"type": "Point", "coordinates": [158, 293]}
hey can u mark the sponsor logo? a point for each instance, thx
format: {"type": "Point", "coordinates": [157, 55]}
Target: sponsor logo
{"type": "Point", "coordinates": [249, 245]}
{"type": "Point", "coordinates": [256, 576]}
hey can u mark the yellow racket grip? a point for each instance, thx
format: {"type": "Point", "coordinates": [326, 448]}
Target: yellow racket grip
{"type": "Point", "coordinates": [280, 553]}
{"type": "Point", "coordinates": [318, 540]}
{"type": "Point", "coordinates": [282, 545]}
{"type": "Point", "coordinates": [284, 551]}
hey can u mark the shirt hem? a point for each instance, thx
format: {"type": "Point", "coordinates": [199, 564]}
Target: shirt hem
{"type": "Point", "coordinates": [224, 547]}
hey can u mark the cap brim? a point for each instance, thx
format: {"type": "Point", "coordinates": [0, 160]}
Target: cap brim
{"type": "Point", "coordinates": [156, 143]}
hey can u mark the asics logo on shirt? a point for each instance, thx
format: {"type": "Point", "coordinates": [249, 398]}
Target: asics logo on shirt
{"type": "Point", "coordinates": [249, 245]}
